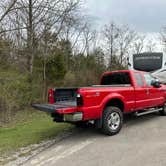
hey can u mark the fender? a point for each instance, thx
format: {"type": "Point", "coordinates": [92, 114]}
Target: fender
{"type": "Point", "coordinates": [113, 96]}
{"type": "Point", "coordinates": [105, 101]}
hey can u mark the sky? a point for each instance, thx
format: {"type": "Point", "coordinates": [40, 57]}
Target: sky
{"type": "Point", "coordinates": [146, 16]}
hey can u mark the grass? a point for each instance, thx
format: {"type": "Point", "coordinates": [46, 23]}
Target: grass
{"type": "Point", "coordinates": [29, 127]}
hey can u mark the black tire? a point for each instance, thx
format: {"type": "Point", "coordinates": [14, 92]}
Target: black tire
{"type": "Point", "coordinates": [112, 120]}
{"type": "Point", "coordinates": [163, 111]}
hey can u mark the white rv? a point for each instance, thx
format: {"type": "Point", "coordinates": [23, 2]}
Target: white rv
{"type": "Point", "coordinates": [154, 62]}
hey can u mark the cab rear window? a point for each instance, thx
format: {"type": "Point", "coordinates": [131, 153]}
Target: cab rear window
{"type": "Point", "coordinates": [119, 78]}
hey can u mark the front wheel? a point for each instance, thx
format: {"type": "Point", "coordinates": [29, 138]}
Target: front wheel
{"type": "Point", "coordinates": [163, 111]}
{"type": "Point", "coordinates": [112, 120]}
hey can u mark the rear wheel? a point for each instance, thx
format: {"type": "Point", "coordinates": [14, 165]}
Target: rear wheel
{"type": "Point", "coordinates": [112, 120]}
{"type": "Point", "coordinates": [163, 111]}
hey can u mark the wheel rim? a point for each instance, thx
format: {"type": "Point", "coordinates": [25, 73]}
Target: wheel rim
{"type": "Point", "coordinates": [114, 121]}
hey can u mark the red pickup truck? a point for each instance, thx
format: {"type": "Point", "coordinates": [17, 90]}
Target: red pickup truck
{"type": "Point", "coordinates": [119, 92]}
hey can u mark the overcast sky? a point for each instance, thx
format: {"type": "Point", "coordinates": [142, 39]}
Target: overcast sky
{"type": "Point", "coordinates": [141, 15]}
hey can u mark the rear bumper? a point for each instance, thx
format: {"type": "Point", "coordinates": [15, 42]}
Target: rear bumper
{"type": "Point", "coordinates": [68, 113]}
{"type": "Point", "coordinates": [77, 116]}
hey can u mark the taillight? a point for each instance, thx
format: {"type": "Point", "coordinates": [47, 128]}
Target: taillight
{"type": "Point", "coordinates": [51, 96]}
{"type": "Point", "coordinates": [80, 101]}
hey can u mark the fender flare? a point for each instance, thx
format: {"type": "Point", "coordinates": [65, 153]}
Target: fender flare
{"type": "Point", "coordinates": [111, 97]}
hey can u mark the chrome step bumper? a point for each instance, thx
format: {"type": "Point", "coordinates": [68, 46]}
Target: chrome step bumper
{"type": "Point", "coordinates": [77, 116]}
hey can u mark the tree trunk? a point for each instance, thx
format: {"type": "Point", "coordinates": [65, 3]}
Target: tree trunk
{"type": "Point", "coordinates": [30, 36]}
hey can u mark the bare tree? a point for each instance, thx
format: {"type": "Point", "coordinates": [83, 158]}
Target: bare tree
{"type": "Point", "coordinates": [118, 40]}
{"type": "Point", "coordinates": [163, 38]}
{"type": "Point", "coordinates": [125, 39]}
{"type": "Point", "coordinates": [6, 8]}
{"type": "Point", "coordinates": [111, 33]}
{"type": "Point", "coordinates": [30, 17]}
{"type": "Point", "coordinates": [89, 37]}
{"type": "Point", "coordinates": [150, 46]}
{"type": "Point", "coordinates": [138, 44]}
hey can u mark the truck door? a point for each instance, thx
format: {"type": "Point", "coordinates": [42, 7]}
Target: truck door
{"type": "Point", "coordinates": [155, 96]}
{"type": "Point", "coordinates": [141, 96]}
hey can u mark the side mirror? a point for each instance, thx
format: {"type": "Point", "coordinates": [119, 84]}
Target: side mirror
{"type": "Point", "coordinates": [156, 83]}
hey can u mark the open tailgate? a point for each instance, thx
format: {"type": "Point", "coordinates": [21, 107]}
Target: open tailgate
{"type": "Point", "coordinates": [49, 108]}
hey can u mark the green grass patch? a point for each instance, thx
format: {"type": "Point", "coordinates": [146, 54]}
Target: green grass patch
{"type": "Point", "coordinates": [29, 127]}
